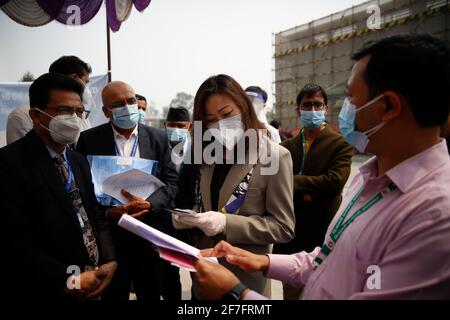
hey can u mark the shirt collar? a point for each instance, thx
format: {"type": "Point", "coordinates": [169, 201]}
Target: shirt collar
{"type": "Point", "coordinates": [411, 171]}
{"type": "Point", "coordinates": [118, 135]}
{"type": "Point", "coordinates": [53, 154]}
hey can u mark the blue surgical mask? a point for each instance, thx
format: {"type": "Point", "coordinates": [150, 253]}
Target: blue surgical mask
{"type": "Point", "coordinates": [359, 140]}
{"type": "Point", "coordinates": [312, 119]}
{"type": "Point", "coordinates": [141, 116]}
{"type": "Point", "coordinates": [176, 135]}
{"type": "Point", "coordinates": [126, 117]}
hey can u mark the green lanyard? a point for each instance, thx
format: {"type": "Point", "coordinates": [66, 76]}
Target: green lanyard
{"type": "Point", "coordinates": [304, 151]}
{"type": "Point", "coordinates": [341, 225]}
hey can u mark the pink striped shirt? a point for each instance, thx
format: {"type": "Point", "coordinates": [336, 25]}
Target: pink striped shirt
{"type": "Point", "coordinates": [397, 249]}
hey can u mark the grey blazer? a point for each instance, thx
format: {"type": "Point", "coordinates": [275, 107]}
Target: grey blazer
{"type": "Point", "coordinates": [266, 217]}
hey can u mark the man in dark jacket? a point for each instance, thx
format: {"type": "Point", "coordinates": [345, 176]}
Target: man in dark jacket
{"type": "Point", "coordinates": [321, 162]}
{"type": "Point", "coordinates": [125, 136]}
{"type": "Point", "coordinates": [56, 243]}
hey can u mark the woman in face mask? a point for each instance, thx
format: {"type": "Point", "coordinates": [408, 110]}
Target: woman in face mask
{"type": "Point", "coordinates": [235, 201]}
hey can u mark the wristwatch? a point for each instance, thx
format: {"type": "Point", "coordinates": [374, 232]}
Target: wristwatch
{"type": "Point", "coordinates": [235, 293]}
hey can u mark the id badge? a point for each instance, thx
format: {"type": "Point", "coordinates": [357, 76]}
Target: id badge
{"type": "Point", "coordinates": [124, 161]}
{"type": "Point", "coordinates": [80, 220]}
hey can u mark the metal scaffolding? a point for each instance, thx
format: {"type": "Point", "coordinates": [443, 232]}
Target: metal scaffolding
{"type": "Point", "coordinates": [320, 50]}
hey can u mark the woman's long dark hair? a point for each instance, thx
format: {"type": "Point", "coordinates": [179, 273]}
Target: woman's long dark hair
{"type": "Point", "coordinates": [224, 84]}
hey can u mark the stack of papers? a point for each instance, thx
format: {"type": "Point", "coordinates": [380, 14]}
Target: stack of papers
{"type": "Point", "coordinates": [177, 252]}
{"type": "Point", "coordinates": [136, 182]}
{"type": "Point", "coordinates": [111, 167]}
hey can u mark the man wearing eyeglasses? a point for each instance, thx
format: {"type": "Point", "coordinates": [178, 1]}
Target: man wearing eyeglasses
{"type": "Point", "coordinates": [124, 136]}
{"type": "Point", "coordinates": [321, 162]}
{"type": "Point", "coordinates": [19, 121]}
{"type": "Point", "coordinates": [56, 243]}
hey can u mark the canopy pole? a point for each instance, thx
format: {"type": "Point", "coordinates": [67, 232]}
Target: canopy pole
{"type": "Point", "coordinates": [108, 45]}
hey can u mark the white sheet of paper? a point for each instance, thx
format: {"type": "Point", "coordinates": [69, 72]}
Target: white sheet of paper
{"type": "Point", "coordinates": [158, 238]}
{"type": "Point", "coordinates": [135, 181]}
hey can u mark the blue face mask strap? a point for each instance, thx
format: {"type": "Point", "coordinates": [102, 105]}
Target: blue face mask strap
{"type": "Point", "coordinates": [370, 102]}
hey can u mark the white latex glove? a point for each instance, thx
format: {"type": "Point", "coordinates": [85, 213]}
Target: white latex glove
{"type": "Point", "coordinates": [177, 224]}
{"type": "Point", "coordinates": [210, 222]}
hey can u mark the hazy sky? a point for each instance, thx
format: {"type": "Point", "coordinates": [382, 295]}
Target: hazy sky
{"type": "Point", "coordinates": [173, 46]}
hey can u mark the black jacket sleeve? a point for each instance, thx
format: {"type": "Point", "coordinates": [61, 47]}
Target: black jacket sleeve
{"type": "Point", "coordinates": [164, 197]}
{"type": "Point", "coordinates": [29, 269]}
{"type": "Point", "coordinates": [185, 198]}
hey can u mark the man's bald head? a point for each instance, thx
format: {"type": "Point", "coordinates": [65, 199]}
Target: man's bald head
{"type": "Point", "coordinates": [116, 92]}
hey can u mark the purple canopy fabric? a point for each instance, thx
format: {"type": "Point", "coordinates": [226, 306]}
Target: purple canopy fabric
{"type": "Point", "coordinates": [39, 12]}
{"type": "Point", "coordinates": [140, 5]}
{"type": "Point", "coordinates": [58, 10]}
{"type": "Point", "coordinates": [113, 22]}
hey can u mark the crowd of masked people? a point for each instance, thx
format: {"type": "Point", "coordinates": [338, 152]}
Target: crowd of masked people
{"type": "Point", "coordinates": [388, 237]}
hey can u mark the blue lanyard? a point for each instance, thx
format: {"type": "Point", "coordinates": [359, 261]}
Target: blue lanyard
{"type": "Point", "coordinates": [341, 225]}
{"type": "Point", "coordinates": [304, 151]}
{"type": "Point", "coordinates": [133, 150]}
{"type": "Point", "coordinates": [238, 196]}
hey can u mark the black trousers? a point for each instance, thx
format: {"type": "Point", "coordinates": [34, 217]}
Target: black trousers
{"type": "Point", "coordinates": [138, 263]}
{"type": "Point", "coordinates": [170, 283]}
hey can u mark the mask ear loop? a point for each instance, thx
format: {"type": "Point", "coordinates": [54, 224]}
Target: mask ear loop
{"type": "Point", "coordinates": [42, 111]}
{"type": "Point", "coordinates": [369, 103]}
{"type": "Point", "coordinates": [374, 130]}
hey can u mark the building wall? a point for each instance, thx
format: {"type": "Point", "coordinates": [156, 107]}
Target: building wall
{"type": "Point", "coordinates": [320, 50]}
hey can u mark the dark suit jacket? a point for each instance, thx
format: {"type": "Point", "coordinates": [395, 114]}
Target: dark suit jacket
{"type": "Point", "coordinates": [153, 145]}
{"type": "Point", "coordinates": [41, 232]}
{"type": "Point", "coordinates": [326, 170]}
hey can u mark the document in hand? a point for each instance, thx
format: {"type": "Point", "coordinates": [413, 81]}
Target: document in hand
{"type": "Point", "coordinates": [171, 249]}
{"type": "Point", "coordinates": [135, 181]}
{"type": "Point", "coordinates": [104, 167]}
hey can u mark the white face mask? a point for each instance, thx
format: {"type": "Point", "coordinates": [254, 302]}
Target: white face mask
{"type": "Point", "coordinates": [228, 131]}
{"type": "Point", "coordinates": [87, 95]}
{"type": "Point", "coordinates": [64, 129]}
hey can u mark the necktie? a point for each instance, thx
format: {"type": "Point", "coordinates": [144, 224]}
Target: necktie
{"type": "Point", "coordinates": [60, 164]}
{"type": "Point", "coordinates": [83, 219]}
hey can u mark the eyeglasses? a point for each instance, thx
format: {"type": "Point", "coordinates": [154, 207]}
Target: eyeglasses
{"type": "Point", "coordinates": [308, 106]}
{"type": "Point", "coordinates": [63, 111]}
